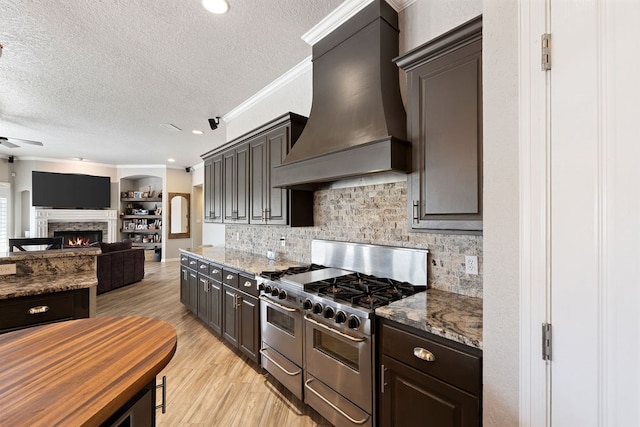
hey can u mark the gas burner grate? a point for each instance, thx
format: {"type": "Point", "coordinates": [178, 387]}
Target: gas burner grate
{"type": "Point", "coordinates": [337, 292]}
{"type": "Point", "coordinates": [370, 301]}
{"type": "Point", "coordinates": [277, 274]}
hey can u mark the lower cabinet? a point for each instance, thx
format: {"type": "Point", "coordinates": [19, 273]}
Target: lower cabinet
{"type": "Point", "coordinates": [225, 300]}
{"type": "Point", "coordinates": [241, 323]}
{"type": "Point", "coordinates": [427, 380]}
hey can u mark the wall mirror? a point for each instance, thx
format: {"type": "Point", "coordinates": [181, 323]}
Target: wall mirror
{"type": "Point", "coordinates": [179, 214]}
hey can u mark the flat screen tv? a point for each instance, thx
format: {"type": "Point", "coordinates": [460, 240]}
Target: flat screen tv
{"type": "Point", "coordinates": [70, 190]}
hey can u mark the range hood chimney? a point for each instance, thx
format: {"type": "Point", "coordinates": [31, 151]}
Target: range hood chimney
{"type": "Point", "coordinates": [357, 125]}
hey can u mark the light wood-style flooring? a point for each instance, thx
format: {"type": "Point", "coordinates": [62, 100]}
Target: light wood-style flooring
{"type": "Point", "coordinates": [208, 384]}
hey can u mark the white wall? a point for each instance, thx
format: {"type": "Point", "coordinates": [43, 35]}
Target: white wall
{"type": "Point", "coordinates": [501, 213]}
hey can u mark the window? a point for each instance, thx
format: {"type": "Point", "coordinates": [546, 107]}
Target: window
{"type": "Point", "coordinates": [5, 201]}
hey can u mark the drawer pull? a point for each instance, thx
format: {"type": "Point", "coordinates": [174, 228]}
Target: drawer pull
{"type": "Point", "coordinates": [203, 266]}
{"type": "Point", "coordinates": [229, 276]}
{"type": "Point", "coordinates": [216, 271]}
{"type": "Point", "coordinates": [247, 284]}
{"type": "Point", "coordinates": [39, 309]}
{"type": "Point", "coordinates": [423, 354]}
{"type": "Point", "coordinates": [163, 387]}
{"type": "Point", "coordinates": [183, 259]}
{"type": "Point", "coordinates": [192, 262]}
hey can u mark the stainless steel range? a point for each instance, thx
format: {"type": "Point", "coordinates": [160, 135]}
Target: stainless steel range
{"type": "Point", "coordinates": [318, 335]}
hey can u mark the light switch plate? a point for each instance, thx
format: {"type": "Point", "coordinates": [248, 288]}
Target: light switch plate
{"type": "Point", "coordinates": [6, 269]}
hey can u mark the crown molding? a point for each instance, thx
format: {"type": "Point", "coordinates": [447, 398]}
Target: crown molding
{"type": "Point", "coordinates": [301, 68]}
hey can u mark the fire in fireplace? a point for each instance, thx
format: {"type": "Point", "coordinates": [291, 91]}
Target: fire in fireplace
{"type": "Point", "coordinates": [79, 239]}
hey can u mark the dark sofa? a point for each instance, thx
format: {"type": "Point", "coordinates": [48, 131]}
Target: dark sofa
{"type": "Point", "coordinates": [119, 265]}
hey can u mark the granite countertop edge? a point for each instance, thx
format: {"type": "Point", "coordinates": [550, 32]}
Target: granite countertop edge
{"type": "Point", "coordinates": [15, 287]}
{"type": "Point", "coordinates": [246, 262]}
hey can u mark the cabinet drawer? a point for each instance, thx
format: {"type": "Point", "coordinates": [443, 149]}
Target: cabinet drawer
{"type": "Point", "coordinates": [40, 309]}
{"type": "Point", "coordinates": [192, 263]}
{"type": "Point", "coordinates": [248, 285]}
{"type": "Point", "coordinates": [230, 278]}
{"type": "Point", "coordinates": [184, 259]}
{"type": "Point", "coordinates": [451, 365]}
{"type": "Point", "coordinates": [203, 267]}
{"type": "Point", "coordinates": [215, 272]}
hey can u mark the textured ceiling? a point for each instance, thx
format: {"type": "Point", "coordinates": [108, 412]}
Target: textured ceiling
{"type": "Point", "coordinates": [96, 78]}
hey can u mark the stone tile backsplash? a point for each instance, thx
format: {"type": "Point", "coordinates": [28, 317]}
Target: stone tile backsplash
{"type": "Point", "coordinates": [375, 214]}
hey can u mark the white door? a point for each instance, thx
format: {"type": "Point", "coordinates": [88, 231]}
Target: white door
{"type": "Point", "coordinates": [594, 212]}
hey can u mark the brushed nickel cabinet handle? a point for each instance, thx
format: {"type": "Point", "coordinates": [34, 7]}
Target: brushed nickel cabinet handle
{"type": "Point", "coordinates": [383, 382]}
{"type": "Point", "coordinates": [229, 276]}
{"type": "Point", "coordinates": [39, 309]}
{"type": "Point", "coordinates": [163, 386]}
{"type": "Point", "coordinates": [248, 284]}
{"type": "Point", "coordinates": [183, 259]}
{"type": "Point", "coordinates": [192, 262]}
{"type": "Point", "coordinates": [203, 266]}
{"type": "Point", "coordinates": [325, 400]}
{"type": "Point", "coordinates": [263, 352]}
{"type": "Point", "coordinates": [416, 218]}
{"type": "Point", "coordinates": [216, 271]}
{"type": "Point", "coordinates": [423, 354]}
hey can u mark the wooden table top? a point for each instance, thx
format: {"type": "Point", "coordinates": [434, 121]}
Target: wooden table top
{"type": "Point", "coordinates": [79, 372]}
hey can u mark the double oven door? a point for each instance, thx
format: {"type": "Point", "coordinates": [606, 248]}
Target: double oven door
{"type": "Point", "coordinates": [282, 340]}
{"type": "Point", "coordinates": [338, 361]}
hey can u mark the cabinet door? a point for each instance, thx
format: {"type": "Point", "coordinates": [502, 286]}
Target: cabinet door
{"type": "Point", "coordinates": [229, 172]}
{"type": "Point", "coordinates": [257, 183]}
{"type": "Point", "coordinates": [193, 291]}
{"type": "Point", "coordinates": [184, 286]}
{"type": "Point", "coordinates": [229, 316]}
{"type": "Point", "coordinates": [445, 187]}
{"type": "Point", "coordinates": [202, 289]}
{"type": "Point", "coordinates": [277, 198]}
{"type": "Point", "coordinates": [242, 184]}
{"type": "Point", "coordinates": [410, 397]}
{"type": "Point", "coordinates": [249, 328]}
{"type": "Point", "coordinates": [208, 190]}
{"type": "Point", "coordinates": [215, 306]}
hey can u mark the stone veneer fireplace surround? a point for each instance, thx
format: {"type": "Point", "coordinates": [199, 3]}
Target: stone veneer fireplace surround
{"type": "Point", "coordinates": [44, 216]}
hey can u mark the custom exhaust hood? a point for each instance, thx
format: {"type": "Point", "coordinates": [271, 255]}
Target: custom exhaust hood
{"type": "Point", "coordinates": [357, 125]}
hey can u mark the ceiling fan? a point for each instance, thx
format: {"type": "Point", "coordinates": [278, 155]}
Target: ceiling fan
{"type": "Point", "coordinates": [13, 142]}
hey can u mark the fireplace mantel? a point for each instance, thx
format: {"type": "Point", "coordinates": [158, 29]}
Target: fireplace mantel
{"type": "Point", "coordinates": [44, 216]}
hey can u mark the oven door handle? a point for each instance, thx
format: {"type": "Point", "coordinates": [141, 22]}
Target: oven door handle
{"type": "Point", "coordinates": [263, 352]}
{"type": "Point", "coordinates": [325, 400]}
{"type": "Point", "coordinates": [342, 334]}
{"type": "Point", "coordinates": [267, 300]}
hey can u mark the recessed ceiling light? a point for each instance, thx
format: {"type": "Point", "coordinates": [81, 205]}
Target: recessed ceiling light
{"type": "Point", "coordinates": [216, 6]}
{"type": "Point", "coordinates": [197, 132]}
{"type": "Point", "coordinates": [78, 159]}
{"type": "Point", "coordinates": [171, 160]}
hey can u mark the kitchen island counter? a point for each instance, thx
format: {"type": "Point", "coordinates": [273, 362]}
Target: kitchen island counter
{"type": "Point", "coordinates": [452, 316]}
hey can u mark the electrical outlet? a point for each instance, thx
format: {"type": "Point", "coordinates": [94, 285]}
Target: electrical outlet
{"type": "Point", "coordinates": [471, 264]}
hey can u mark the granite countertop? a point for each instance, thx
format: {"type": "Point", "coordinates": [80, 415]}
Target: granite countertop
{"type": "Point", "coordinates": [452, 316]}
{"type": "Point", "coordinates": [12, 287]}
{"type": "Point", "coordinates": [54, 253]}
{"type": "Point", "coordinates": [242, 261]}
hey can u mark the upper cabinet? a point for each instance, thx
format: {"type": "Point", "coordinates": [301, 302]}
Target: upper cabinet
{"type": "Point", "coordinates": [238, 178]}
{"type": "Point", "coordinates": [444, 102]}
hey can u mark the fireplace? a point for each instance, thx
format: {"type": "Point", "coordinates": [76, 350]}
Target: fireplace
{"type": "Point", "coordinates": [79, 238]}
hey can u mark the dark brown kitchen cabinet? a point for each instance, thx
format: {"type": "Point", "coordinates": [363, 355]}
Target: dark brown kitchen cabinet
{"type": "Point", "coordinates": [427, 379]}
{"type": "Point", "coordinates": [33, 310]}
{"type": "Point", "coordinates": [189, 282]}
{"type": "Point", "coordinates": [241, 315]}
{"type": "Point", "coordinates": [235, 169]}
{"type": "Point", "coordinates": [213, 189]}
{"type": "Point", "coordinates": [444, 103]}
{"type": "Point", "coordinates": [242, 169]}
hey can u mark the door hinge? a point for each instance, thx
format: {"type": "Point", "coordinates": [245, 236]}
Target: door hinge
{"type": "Point", "coordinates": [546, 341]}
{"type": "Point", "coordinates": [546, 51]}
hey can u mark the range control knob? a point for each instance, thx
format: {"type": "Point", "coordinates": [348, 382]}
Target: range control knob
{"type": "Point", "coordinates": [307, 304]}
{"type": "Point", "coordinates": [261, 287]}
{"type": "Point", "coordinates": [354, 322]}
{"type": "Point", "coordinates": [282, 294]}
{"type": "Point", "coordinates": [267, 289]}
{"type": "Point", "coordinates": [317, 308]}
{"type": "Point", "coordinates": [341, 317]}
{"type": "Point", "coordinates": [275, 292]}
{"type": "Point", "coordinates": [329, 312]}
